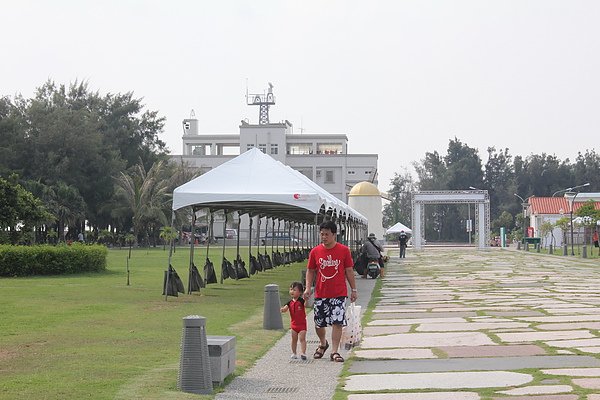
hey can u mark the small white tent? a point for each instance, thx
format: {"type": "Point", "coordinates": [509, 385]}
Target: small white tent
{"type": "Point", "coordinates": [397, 228]}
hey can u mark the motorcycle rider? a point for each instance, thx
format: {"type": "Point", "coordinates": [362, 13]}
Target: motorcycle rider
{"type": "Point", "coordinates": [373, 251]}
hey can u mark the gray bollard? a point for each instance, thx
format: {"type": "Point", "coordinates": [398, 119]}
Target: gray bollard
{"type": "Point", "coordinates": [584, 251]}
{"type": "Point", "coordinates": [272, 314]}
{"type": "Point", "coordinates": [194, 368]}
{"type": "Point", "coordinates": [518, 245]}
{"type": "Point", "coordinates": [526, 246]}
{"type": "Point", "coordinates": [565, 250]}
{"type": "Point", "coordinates": [538, 247]}
{"type": "Point", "coordinates": [550, 249]}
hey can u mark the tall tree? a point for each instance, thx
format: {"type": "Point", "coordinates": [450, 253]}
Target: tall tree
{"type": "Point", "coordinates": [587, 169]}
{"type": "Point", "coordinates": [399, 209]}
{"type": "Point", "coordinates": [499, 180]}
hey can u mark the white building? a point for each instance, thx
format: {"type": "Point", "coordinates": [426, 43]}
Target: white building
{"type": "Point", "coordinates": [322, 157]}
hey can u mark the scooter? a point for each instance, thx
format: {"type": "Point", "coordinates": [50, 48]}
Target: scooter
{"type": "Point", "coordinates": [373, 268]}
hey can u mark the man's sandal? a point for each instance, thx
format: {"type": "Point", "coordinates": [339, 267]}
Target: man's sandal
{"type": "Point", "coordinates": [336, 357]}
{"type": "Point", "coordinates": [320, 352]}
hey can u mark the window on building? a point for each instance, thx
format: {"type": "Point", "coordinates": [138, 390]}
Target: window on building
{"type": "Point", "coordinates": [368, 172]}
{"type": "Point", "coordinates": [250, 146]}
{"type": "Point", "coordinates": [262, 147]}
{"type": "Point", "coordinates": [201, 150]}
{"type": "Point", "coordinates": [274, 149]}
{"type": "Point", "coordinates": [329, 148]}
{"type": "Point", "coordinates": [318, 173]}
{"type": "Point", "coordinates": [299, 148]}
{"type": "Point", "coordinates": [350, 172]}
{"type": "Point", "coordinates": [329, 176]}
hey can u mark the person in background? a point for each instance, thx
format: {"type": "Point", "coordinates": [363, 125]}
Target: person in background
{"type": "Point", "coordinates": [330, 263]}
{"type": "Point", "coordinates": [373, 250]}
{"type": "Point", "coordinates": [402, 242]}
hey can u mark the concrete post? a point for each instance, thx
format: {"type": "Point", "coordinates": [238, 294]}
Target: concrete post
{"type": "Point", "coordinates": [526, 246]}
{"type": "Point", "coordinates": [518, 245]}
{"type": "Point", "coordinates": [550, 249]}
{"type": "Point", "coordinates": [272, 319]}
{"type": "Point", "coordinates": [538, 247]}
{"type": "Point", "coordinates": [194, 368]}
{"type": "Point", "coordinates": [565, 250]}
{"type": "Point", "coordinates": [584, 251]}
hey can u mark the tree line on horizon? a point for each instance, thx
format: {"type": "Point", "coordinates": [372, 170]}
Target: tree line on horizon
{"type": "Point", "coordinates": [503, 175]}
{"type": "Point", "coordinates": [94, 158]}
{"type": "Point", "coordinates": [88, 157]}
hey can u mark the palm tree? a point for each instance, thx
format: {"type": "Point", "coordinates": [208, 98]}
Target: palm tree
{"type": "Point", "coordinates": [143, 195]}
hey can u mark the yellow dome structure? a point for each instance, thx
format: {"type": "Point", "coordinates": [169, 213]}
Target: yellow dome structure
{"type": "Point", "coordinates": [365, 198]}
{"type": "Point", "coordinates": [364, 189]}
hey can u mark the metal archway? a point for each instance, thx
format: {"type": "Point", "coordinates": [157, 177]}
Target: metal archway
{"type": "Point", "coordinates": [480, 198]}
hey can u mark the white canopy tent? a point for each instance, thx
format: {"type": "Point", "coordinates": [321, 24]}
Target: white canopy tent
{"type": "Point", "coordinates": [255, 183]}
{"type": "Point", "coordinates": [397, 228]}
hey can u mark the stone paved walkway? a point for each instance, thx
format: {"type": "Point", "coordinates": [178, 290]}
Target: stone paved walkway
{"type": "Point", "coordinates": [467, 324]}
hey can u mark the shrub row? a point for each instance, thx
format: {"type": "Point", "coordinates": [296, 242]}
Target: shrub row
{"type": "Point", "coordinates": [51, 260]}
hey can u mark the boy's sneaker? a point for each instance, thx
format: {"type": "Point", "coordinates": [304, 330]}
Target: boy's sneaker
{"type": "Point", "coordinates": [302, 357]}
{"type": "Point", "coordinates": [294, 357]}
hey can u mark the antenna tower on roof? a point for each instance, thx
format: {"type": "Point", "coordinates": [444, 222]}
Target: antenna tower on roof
{"type": "Point", "coordinates": [263, 101]}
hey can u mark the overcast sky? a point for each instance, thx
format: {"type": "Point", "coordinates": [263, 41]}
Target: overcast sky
{"type": "Point", "coordinates": [400, 78]}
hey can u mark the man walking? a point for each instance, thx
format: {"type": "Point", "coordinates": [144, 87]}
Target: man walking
{"type": "Point", "coordinates": [402, 241]}
{"type": "Point", "coordinates": [331, 264]}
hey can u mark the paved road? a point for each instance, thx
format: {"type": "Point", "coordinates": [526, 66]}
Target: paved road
{"type": "Point", "coordinates": [468, 324]}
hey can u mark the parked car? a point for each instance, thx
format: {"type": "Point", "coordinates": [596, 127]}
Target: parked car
{"type": "Point", "coordinates": [276, 238]}
{"type": "Point", "coordinates": [229, 234]}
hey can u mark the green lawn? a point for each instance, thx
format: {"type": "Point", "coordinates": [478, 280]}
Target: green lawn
{"type": "Point", "coordinates": [91, 336]}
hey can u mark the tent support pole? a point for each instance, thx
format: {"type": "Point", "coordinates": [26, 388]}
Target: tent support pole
{"type": "Point", "coordinates": [171, 244]}
{"type": "Point", "coordinates": [192, 242]}
{"type": "Point", "coordinates": [224, 237]}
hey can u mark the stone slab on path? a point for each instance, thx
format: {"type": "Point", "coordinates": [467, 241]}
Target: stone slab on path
{"type": "Point", "coordinates": [493, 351]}
{"type": "Point", "coordinates": [472, 364]}
{"type": "Point", "coordinates": [417, 396]}
{"type": "Point", "coordinates": [539, 389]}
{"type": "Point", "coordinates": [544, 397]}
{"type": "Point", "coordinates": [385, 330]}
{"type": "Point", "coordinates": [594, 372]}
{"type": "Point", "coordinates": [414, 315]}
{"type": "Point", "coordinates": [440, 380]}
{"type": "Point", "coordinates": [545, 336]}
{"type": "Point", "coordinates": [398, 354]}
{"type": "Point", "coordinates": [427, 340]}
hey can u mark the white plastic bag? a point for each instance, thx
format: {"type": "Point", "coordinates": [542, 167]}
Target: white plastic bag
{"type": "Point", "coordinates": [352, 332]}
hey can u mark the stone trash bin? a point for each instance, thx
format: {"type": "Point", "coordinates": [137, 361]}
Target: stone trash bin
{"type": "Point", "coordinates": [272, 318]}
{"type": "Point", "coordinates": [194, 368]}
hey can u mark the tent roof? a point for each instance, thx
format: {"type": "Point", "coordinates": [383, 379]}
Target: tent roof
{"type": "Point", "coordinates": [398, 227]}
{"type": "Point", "coordinates": [255, 183]}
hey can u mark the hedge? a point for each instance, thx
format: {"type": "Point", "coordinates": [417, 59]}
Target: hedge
{"type": "Point", "coordinates": [51, 260]}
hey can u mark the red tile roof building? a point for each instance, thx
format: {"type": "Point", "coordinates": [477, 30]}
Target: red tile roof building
{"type": "Point", "coordinates": [544, 209]}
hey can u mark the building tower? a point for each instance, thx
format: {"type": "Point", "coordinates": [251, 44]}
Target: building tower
{"type": "Point", "coordinates": [263, 101]}
{"type": "Point", "coordinates": [365, 198]}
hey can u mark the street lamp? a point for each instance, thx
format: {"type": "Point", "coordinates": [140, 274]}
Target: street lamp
{"type": "Point", "coordinates": [570, 196]}
{"type": "Point", "coordinates": [570, 189]}
{"type": "Point", "coordinates": [525, 204]}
